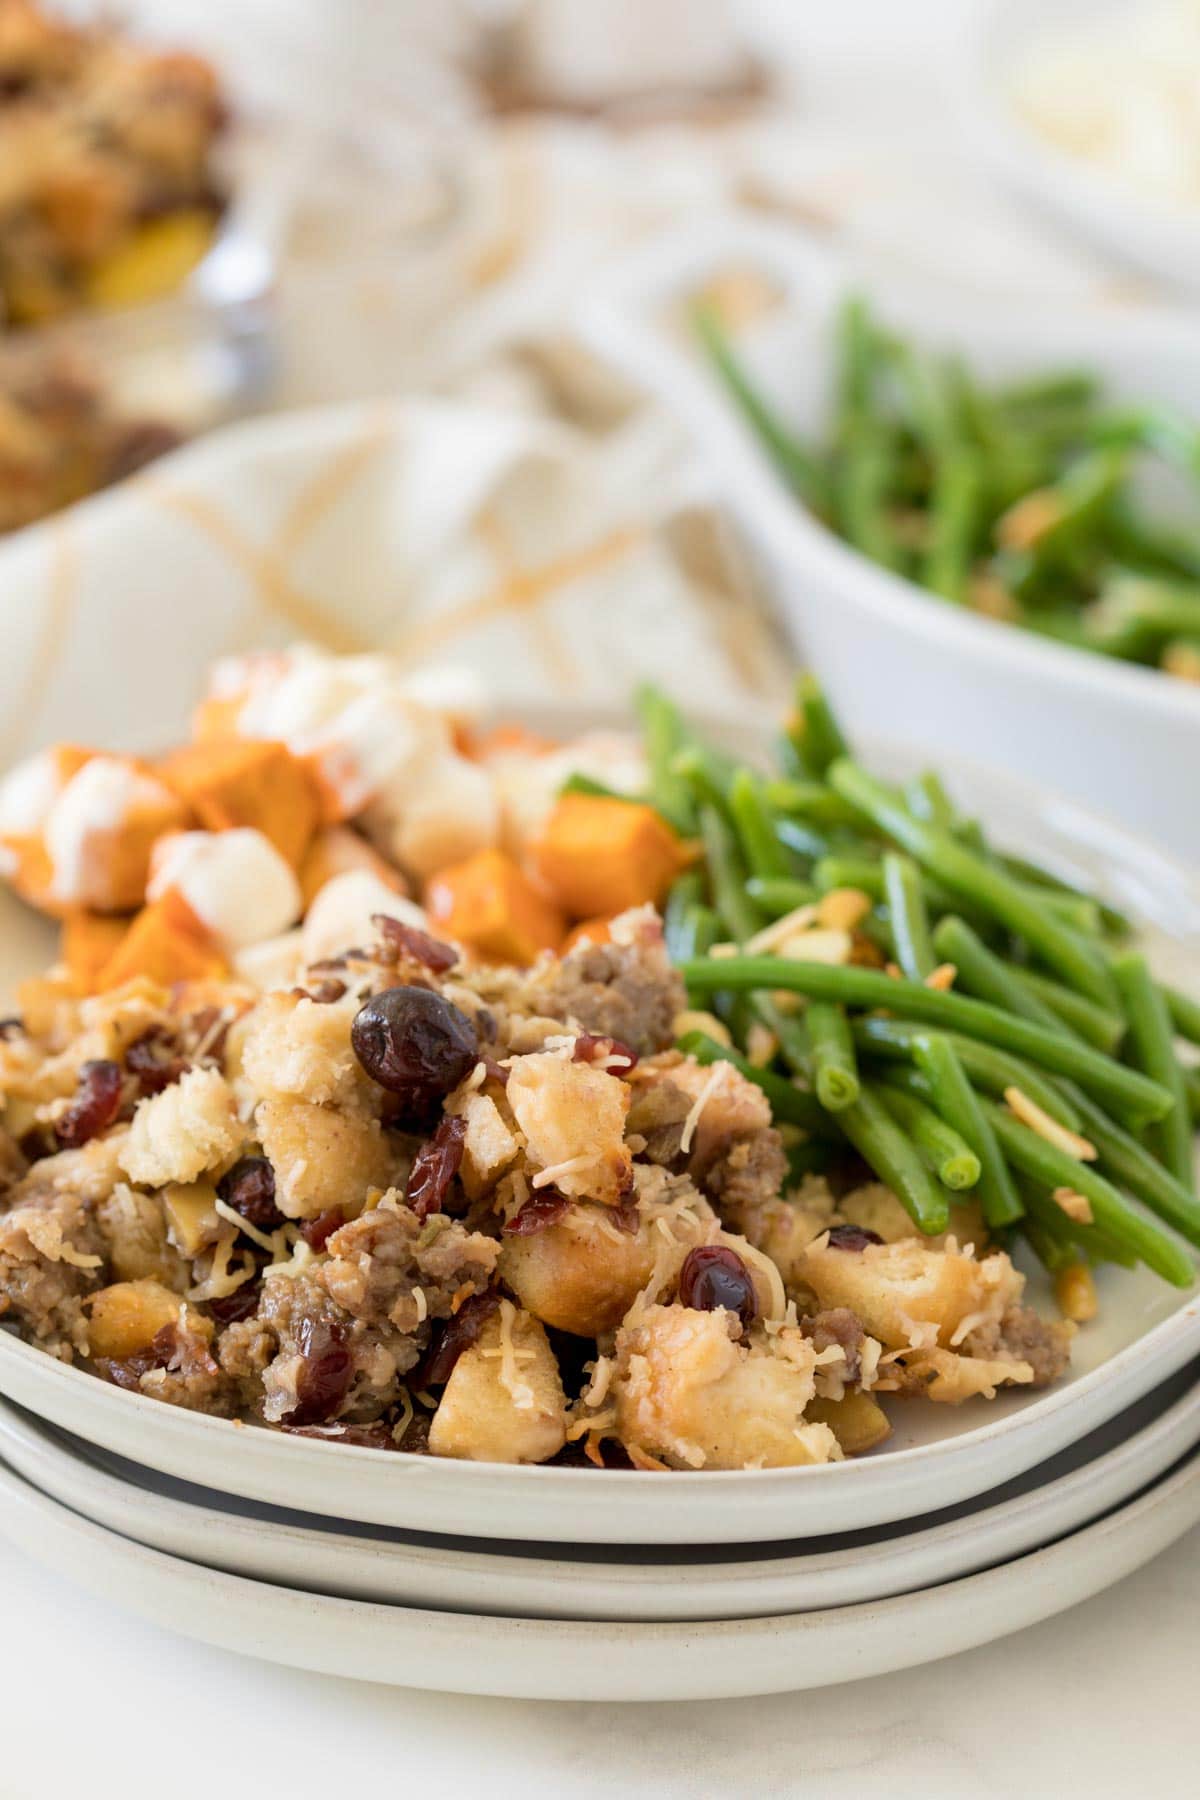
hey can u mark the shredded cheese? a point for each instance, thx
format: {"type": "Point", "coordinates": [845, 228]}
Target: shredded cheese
{"type": "Point", "coordinates": [716, 1077]}
{"type": "Point", "coordinates": [265, 1241]}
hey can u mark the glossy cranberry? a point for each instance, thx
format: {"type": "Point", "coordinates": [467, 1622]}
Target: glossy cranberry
{"type": "Point", "coordinates": [714, 1276]}
{"type": "Point", "coordinates": [326, 1371]}
{"type": "Point", "coordinates": [249, 1188]}
{"type": "Point", "coordinates": [455, 1335]}
{"type": "Point", "coordinates": [435, 1166]}
{"type": "Point", "coordinates": [415, 1044]}
{"type": "Point", "coordinates": [95, 1106]}
{"type": "Point", "coordinates": [852, 1237]}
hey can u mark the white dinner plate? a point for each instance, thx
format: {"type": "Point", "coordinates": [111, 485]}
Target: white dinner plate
{"type": "Point", "coordinates": [599, 1582]}
{"type": "Point", "coordinates": [937, 1455]}
{"type": "Point", "coordinates": [555, 1659]}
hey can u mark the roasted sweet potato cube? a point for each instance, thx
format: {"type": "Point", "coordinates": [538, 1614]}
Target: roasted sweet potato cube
{"type": "Point", "coordinates": [490, 906]}
{"type": "Point", "coordinates": [590, 931]}
{"type": "Point", "coordinates": [89, 943]}
{"type": "Point", "coordinates": [166, 943]}
{"type": "Point", "coordinates": [247, 781]}
{"type": "Point", "coordinates": [601, 856]}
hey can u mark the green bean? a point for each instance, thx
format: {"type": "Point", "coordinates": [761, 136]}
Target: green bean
{"type": "Point", "coordinates": [762, 852]}
{"type": "Point", "coordinates": [834, 1068]}
{"type": "Point", "coordinates": [789, 1104]}
{"type": "Point", "coordinates": [801, 838]}
{"type": "Point", "coordinates": [955, 506]}
{"type": "Point", "coordinates": [664, 735]}
{"type": "Point", "coordinates": [1070, 505]}
{"type": "Point", "coordinates": [823, 739]}
{"type": "Point", "coordinates": [956, 1101]}
{"type": "Point", "coordinates": [799, 468]}
{"type": "Point", "coordinates": [687, 893]}
{"type": "Point", "coordinates": [1087, 1240]}
{"type": "Point", "coordinates": [1033, 875]}
{"type": "Point", "coordinates": [1095, 1024]}
{"type": "Point", "coordinates": [907, 916]}
{"type": "Point", "coordinates": [813, 1157]}
{"type": "Point", "coordinates": [1113, 1214]}
{"type": "Point", "coordinates": [1064, 387]}
{"type": "Point", "coordinates": [883, 1145]}
{"type": "Point", "coordinates": [1153, 1051]}
{"type": "Point", "coordinates": [695, 767]}
{"type": "Point", "coordinates": [697, 931]}
{"type": "Point", "coordinates": [579, 783]}
{"type": "Point", "coordinates": [1131, 1092]}
{"type": "Point", "coordinates": [1132, 1165]}
{"type": "Point", "coordinates": [989, 977]}
{"type": "Point", "coordinates": [1054, 1254]}
{"type": "Point", "coordinates": [995, 1071]}
{"type": "Point", "coordinates": [989, 889]}
{"type": "Point", "coordinates": [949, 1155]}
{"type": "Point", "coordinates": [790, 1032]}
{"type": "Point", "coordinates": [728, 879]}
{"type": "Point", "coordinates": [812, 800]}
{"type": "Point", "coordinates": [926, 798]}
{"type": "Point", "coordinates": [779, 897]}
{"type": "Point", "coordinates": [862, 872]}
{"type": "Point", "coordinates": [1136, 614]}
{"type": "Point", "coordinates": [1185, 1013]}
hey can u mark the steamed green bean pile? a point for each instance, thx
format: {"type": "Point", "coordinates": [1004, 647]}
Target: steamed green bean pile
{"type": "Point", "coordinates": [1022, 501]}
{"type": "Point", "coordinates": [904, 992]}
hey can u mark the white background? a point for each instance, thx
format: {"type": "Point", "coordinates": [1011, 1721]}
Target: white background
{"type": "Point", "coordinates": [1099, 1702]}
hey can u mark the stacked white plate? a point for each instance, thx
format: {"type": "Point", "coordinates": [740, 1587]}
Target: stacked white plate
{"type": "Point", "coordinates": [594, 1621]}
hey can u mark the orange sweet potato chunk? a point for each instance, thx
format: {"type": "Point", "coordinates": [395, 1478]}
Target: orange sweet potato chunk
{"type": "Point", "coordinates": [334, 851]}
{"type": "Point", "coordinates": [89, 943]}
{"type": "Point", "coordinates": [590, 931]}
{"type": "Point", "coordinates": [487, 904]}
{"type": "Point", "coordinates": [599, 856]}
{"type": "Point", "coordinates": [248, 782]}
{"type": "Point", "coordinates": [166, 943]}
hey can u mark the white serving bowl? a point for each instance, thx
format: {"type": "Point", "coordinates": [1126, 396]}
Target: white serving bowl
{"type": "Point", "coordinates": [897, 660]}
{"type": "Point", "coordinates": [937, 1455]}
{"type": "Point", "coordinates": [1152, 235]}
{"type": "Point", "coordinates": [592, 1581]}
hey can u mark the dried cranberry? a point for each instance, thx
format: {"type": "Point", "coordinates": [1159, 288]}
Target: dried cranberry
{"type": "Point", "coordinates": [592, 1049]}
{"type": "Point", "coordinates": [95, 1106]}
{"type": "Point", "coordinates": [544, 1209]}
{"type": "Point", "coordinates": [317, 1232]}
{"type": "Point", "coordinates": [127, 1371]}
{"type": "Point", "coordinates": [713, 1275]}
{"type": "Point", "coordinates": [415, 1044]}
{"type": "Point", "coordinates": [10, 1028]}
{"type": "Point", "coordinates": [249, 1188]}
{"type": "Point", "coordinates": [435, 1166]}
{"type": "Point", "coordinates": [852, 1237]}
{"type": "Point", "coordinates": [152, 1061]}
{"type": "Point", "coordinates": [326, 1371]}
{"type": "Point", "coordinates": [209, 1026]}
{"type": "Point", "coordinates": [457, 1334]}
{"type": "Point", "coordinates": [231, 1309]}
{"type": "Point", "coordinates": [430, 952]}
{"type": "Point", "coordinates": [625, 1215]}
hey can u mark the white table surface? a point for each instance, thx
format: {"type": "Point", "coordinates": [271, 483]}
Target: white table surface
{"type": "Point", "coordinates": [1099, 1702]}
